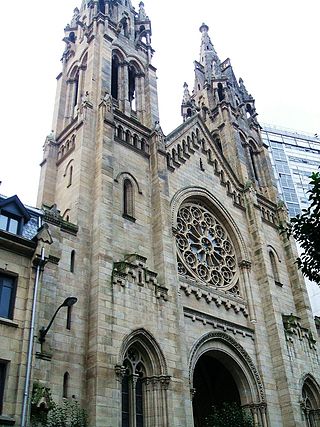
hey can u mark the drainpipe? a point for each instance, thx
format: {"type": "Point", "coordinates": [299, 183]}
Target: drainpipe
{"type": "Point", "coordinates": [25, 402]}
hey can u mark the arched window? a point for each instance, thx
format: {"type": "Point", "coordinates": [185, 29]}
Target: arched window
{"type": "Point", "coordinates": [132, 389]}
{"type": "Point", "coordinates": [125, 26]}
{"type": "Point", "coordinates": [248, 110]}
{"type": "Point", "coordinates": [220, 92]}
{"type": "Point", "coordinates": [128, 137]}
{"type": "Point", "coordinates": [72, 260]}
{"type": "Point", "coordinates": [72, 37]}
{"type": "Point", "coordinates": [115, 77]}
{"type": "Point", "coordinates": [135, 140]}
{"type": "Point", "coordinates": [120, 132]}
{"type": "Point", "coordinates": [128, 198]}
{"type": "Point", "coordinates": [144, 382]}
{"type": "Point", "coordinates": [274, 267]}
{"type": "Point", "coordinates": [66, 379]}
{"type": "Point", "coordinates": [310, 404]}
{"type": "Point", "coordinates": [217, 142]}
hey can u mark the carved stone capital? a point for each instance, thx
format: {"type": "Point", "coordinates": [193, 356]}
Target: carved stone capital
{"type": "Point", "coordinates": [245, 265]}
{"type": "Point", "coordinates": [120, 371]}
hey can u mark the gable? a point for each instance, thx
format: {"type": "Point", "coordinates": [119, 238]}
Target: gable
{"type": "Point", "coordinates": [13, 205]}
{"type": "Point", "coordinates": [192, 139]}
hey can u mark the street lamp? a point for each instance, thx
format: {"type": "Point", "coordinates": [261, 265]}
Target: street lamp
{"type": "Point", "coordinates": [68, 302]}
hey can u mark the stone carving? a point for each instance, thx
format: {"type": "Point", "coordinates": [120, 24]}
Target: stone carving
{"type": "Point", "coordinates": [211, 336]}
{"type": "Point", "coordinates": [293, 328]}
{"type": "Point", "coordinates": [142, 16]}
{"type": "Point", "coordinates": [133, 269]}
{"type": "Point", "coordinates": [205, 250]}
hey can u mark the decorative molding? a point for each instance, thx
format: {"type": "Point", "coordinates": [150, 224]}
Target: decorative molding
{"type": "Point", "coordinates": [237, 348]}
{"type": "Point", "coordinates": [293, 329]}
{"type": "Point", "coordinates": [129, 175]}
{"type": "Point", "coordinates": [150, 346]}
{"type": "Point", "coordinates": [216, 323]}
{"type": "Point", "coordinates": [52, 216]}
{"type": "Point", "coordinates": [133, 270]}
{"type": "Point", "coordinates": [218, 297]}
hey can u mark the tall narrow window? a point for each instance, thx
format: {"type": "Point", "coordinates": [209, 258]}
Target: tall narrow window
{"type": "Point", "coordinates": [217, 142]}
{"type": "Point", "coordinates": [66, 379]}
{"type": "Point", "coordinates": [132, 87]}
{"type": "Point", "coordinates": [76, 90]}
{"type": "Point", "coordinates": [3, 368]}
{"type": "Point", "coordinates": [253, 164]}
{"type": "Point", "coordinates": [7, 295]}
{"type": "Point", "coordinates": [102, 6]}
{"type": "Point", "coordinates": [274, 268]}
{"type": "Point", "coordinates": [248, 110]}
{"type": "Point", "coordinates": [139, 402]}
{"type": "Point", "coordinates": [125, 401]}
{"type": "Point", "coordinates": [128, 198]}
{"type": "Point", "coordinates": [72, 260]}
{"type": "Point", "coordinates": [69, 316]}
{"type": "Point", "coordinates": [310, 403]}
{"type": "Point", "coordinates": [220, 92]}
{"type": "Point", "coordinates": [70, 175]}
{"type": "Point", "coordinates": [132, 390]}
{"type": "Point", "coordinates": [114, 77]}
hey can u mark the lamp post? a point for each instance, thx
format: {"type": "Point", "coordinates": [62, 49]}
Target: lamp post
{"type": "Point", "coordinates": [68, 302]}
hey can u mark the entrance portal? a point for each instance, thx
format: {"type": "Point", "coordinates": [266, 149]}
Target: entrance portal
{"type": "Point", "coordinates": [214, 385]}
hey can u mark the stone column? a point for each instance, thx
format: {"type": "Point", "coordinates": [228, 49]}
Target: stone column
{"type": "Point", "coordinates": [140, 97]}
{"type": "Point", "coordinates": [245, 267]}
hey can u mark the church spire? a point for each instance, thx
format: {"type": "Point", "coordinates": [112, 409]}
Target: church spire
{"type": "Point", "coordinates": [208, 56]}
{"type": "Point", "coordinates": [187, 106]}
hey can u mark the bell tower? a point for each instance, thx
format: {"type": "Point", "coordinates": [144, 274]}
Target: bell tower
{"type": "Point", "coordinates": [107, 60]}
{"type": "Point", "coordinates": [230, 114]}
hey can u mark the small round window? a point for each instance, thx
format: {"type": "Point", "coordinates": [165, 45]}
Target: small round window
{"type": "Point", "coordinates": [205, 250]}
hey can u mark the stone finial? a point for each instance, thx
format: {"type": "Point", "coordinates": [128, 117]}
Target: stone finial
{"type": "Point", "coordinates": [75, 18]}
{"type": "Point", "coordinates": [186, 94]}
{"type": "Point", "coordinates": [204, 28]}
{"type": "Point", "coordinates": [142, 16]}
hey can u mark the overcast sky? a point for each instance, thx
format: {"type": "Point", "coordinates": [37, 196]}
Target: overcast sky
{"type": "Point", "coordinates": [273, 45]}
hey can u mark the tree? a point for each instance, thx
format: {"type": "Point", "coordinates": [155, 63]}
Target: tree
{"type": "Point", "coordinates": [47, 413]}
{"type": "Point", "coordinates": [305, 228]}
{"type": "Point", "coordinates": [229, 414]}
{"type": "Point", "coordinates": [67, 414]}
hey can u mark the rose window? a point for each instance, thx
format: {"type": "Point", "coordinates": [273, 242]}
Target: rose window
{"type": "Point", "coordinates": [205, 250]}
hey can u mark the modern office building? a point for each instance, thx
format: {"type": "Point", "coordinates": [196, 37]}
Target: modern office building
{"type": "Point", "coordinates": [294, 156]}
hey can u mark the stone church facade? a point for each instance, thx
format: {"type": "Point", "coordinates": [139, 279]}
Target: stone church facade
{"type": "Point", "coordinates": [188, 295]}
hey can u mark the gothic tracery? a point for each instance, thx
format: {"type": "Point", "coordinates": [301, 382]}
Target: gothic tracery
{"type": "Point", "coordinates": [205, 250]}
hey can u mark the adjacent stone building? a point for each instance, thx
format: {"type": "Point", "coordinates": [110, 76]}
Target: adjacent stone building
{"type": "Point", "coordinates": [188, 296]}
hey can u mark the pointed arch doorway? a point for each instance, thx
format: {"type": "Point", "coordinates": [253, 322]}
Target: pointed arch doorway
{"type": "Point", "coordinates": [221, 371]}
{"type": "Point", "coordinates": [214, 385]}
